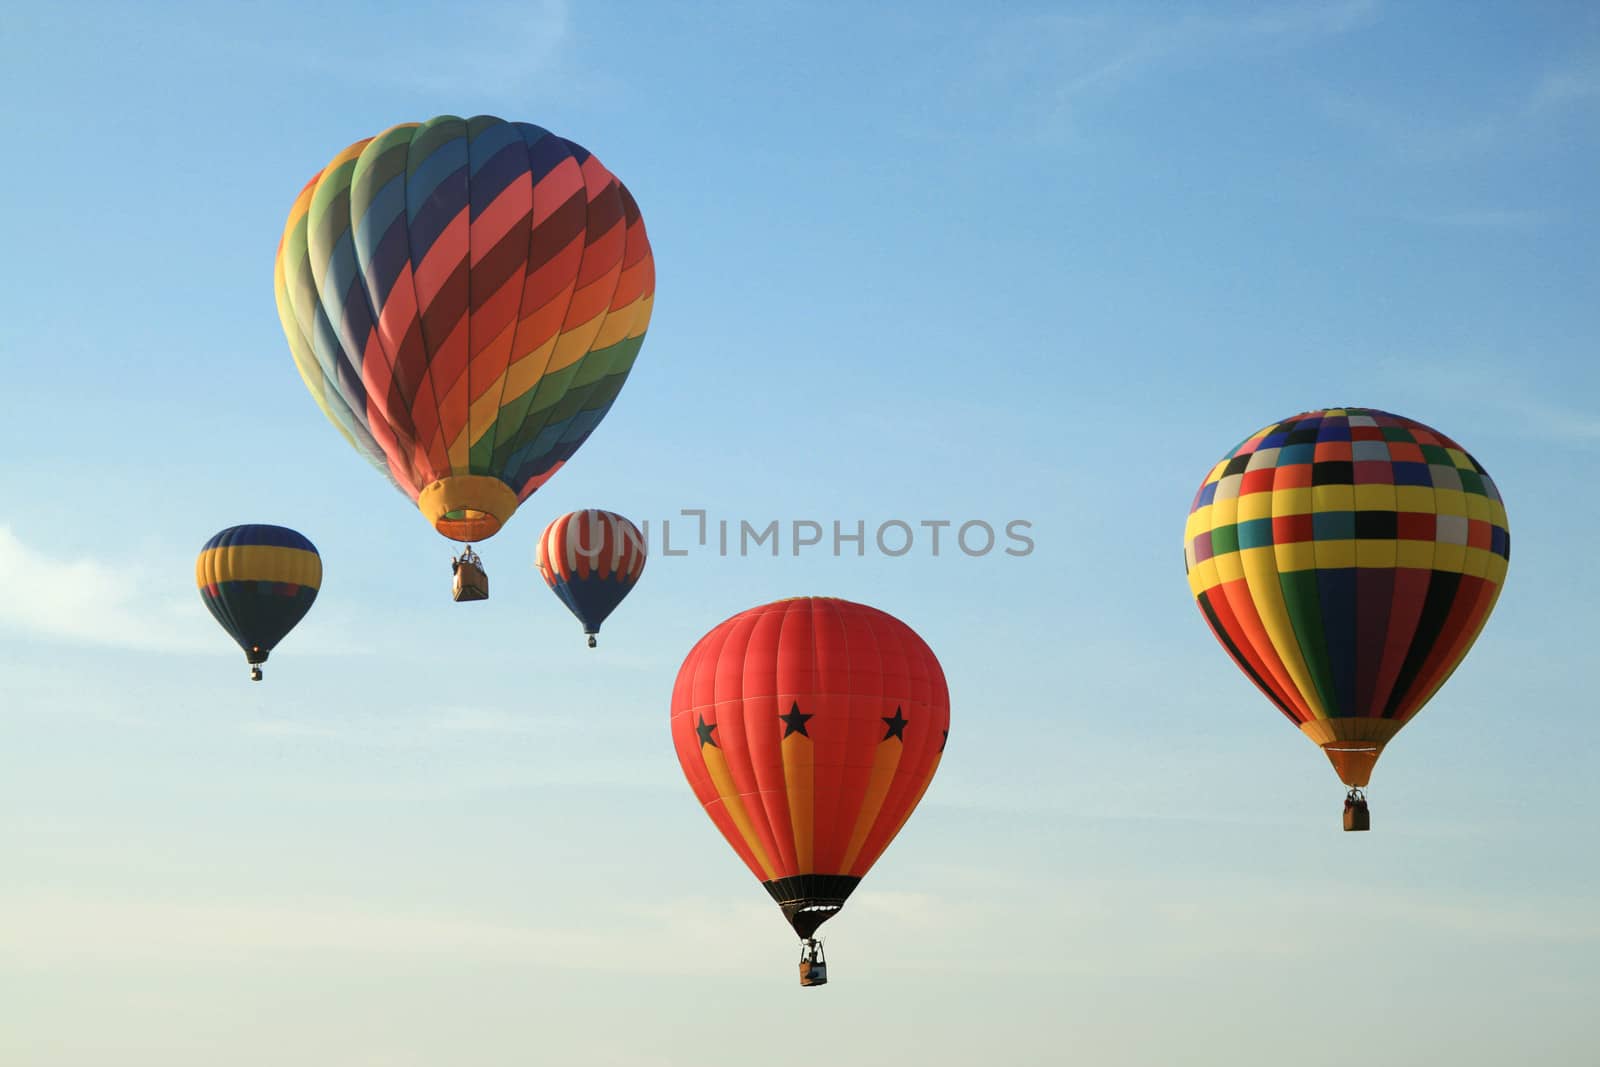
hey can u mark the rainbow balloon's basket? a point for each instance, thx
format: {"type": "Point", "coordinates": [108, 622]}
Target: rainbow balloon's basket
{"type": "Point", "coordinates": [813, 967]}
{"type": "Point", "coordinates": [1356, 815]}
{"type": "Point", "coordinates": [471, 583]}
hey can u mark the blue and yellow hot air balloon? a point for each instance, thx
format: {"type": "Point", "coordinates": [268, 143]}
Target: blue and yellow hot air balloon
{"type": "Point", "coordinates": [258, 581]}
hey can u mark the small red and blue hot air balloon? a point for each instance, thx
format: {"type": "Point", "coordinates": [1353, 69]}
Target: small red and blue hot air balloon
{"type": "Point", "coordinates": [592, 560]}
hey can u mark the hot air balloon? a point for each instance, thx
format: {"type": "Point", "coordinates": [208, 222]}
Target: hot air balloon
{"type": "Point", "coordinates": [1346, 559]}
{"type": "Point", "coordinates": [809, 730]}
{"type": "Point", "coordinates": [591, 560]}
{"type": "Point", "coordinates": [258, 581]}
{"type": "Point", "coordinates": [464, 299]}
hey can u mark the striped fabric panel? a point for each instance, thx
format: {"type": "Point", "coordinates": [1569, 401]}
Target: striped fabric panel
{"type": "Point", "coordinates": [465, 296]}
{"type": "Point", "coordinates": [591, 559]}
{"type": "Point", "coordinates": [809, 729]}
{"type": "Point", "coordinates": [258, 582]}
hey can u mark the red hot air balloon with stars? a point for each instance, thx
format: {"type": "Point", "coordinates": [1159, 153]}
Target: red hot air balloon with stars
{"type": "Point", "coordinates": [809, 729]}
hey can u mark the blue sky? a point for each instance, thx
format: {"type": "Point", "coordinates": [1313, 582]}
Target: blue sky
{"type": "Point", "coordinates": [932, 262]}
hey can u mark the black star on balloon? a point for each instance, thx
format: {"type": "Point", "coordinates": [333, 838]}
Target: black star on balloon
{"type": "Point", "coordinates": [794, 722]}
{"type": "Point", "coordinates": [896, 726]}
{"type": "Point", "coordinates": [944, 742]}
{"type": "Point", "coordinates": [704, 730]}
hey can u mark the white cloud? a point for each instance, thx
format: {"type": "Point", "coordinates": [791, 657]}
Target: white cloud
{"type": "Point", "coordinates": [122, 604]}
{"type": "Point", "coordinates": [1445, 137]}
{"type": "Point", "coordinates": [497, 52]}
{"type": "Point", "coordinates": [288, 728]}
{"type": "Point", "coordinates": [1560, 88]}
{"type": "Point", "coordinates": [50, 929]}
{"type": "Point", "coordinates": [131, 604]}
{"type": "Point", "coordinates": [1425, 137]}
{"type": "Point", "coordinates": [1489, 387]}
{"type": "Point", "coordinates": [61, 927]}
{"type": "Point", "coordinates": [1104, 51]}
{"type": "Point", "coordinates": [1482, 219]}
{"type": "Point", "coordinates": [477, 720]}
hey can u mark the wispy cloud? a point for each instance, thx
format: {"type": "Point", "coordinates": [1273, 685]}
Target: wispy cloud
{"type": "Point", "coordinates": [423, 728]}
{"type": "Point", "coordinates": [1521, 109]}
{"type": "Point", "coordinates": [1567, 86]}
{"type": "Point", "coordinates": [498, 51]}
{"type": "Point", "coordinates": [129, 603]}
{"type": "Point", "coordinates": [478, 720]}
{"type": "Point", "coordinates": [1553, 420]}
{"type": "Point", "coordinates": [55, 927]}
{"type": "Point", "coordinates": [288, 728]}
{"type": "Point", "coordinates": [1424, 137]}
{"type": "Point", "coordinates": [1482, 219]}
{"type": "Point", "coordinates": [1197, 38]}
{"type": "Point", "coordinates": [76, 928]}
{"type": "Point", "coordinates": [1051, 926]}
{"type": "Point", "coordinates": [1103, 51]}
{"type": "Point", "coordinates": [1052, 66]}
{"type": "Point", "coordinates": [1490, 388]}
{"type": "Point", "coordinates": [119, 604]}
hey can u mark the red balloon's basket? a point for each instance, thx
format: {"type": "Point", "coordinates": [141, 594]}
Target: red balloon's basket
{"type": "Point", "coordinates": [813, 968]}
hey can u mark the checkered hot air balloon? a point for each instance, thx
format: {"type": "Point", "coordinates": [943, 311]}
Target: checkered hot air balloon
{"type": "Point", "coordinates": [258, 581]}
{"type": "Point", "coordinates": [809, 730]}
{"type": "Point", "coordinates": [464, 299]}
{"type": "Point", "coordinates": [1347, 559]}
{"type": "Point", "coordinates": [591, 560]}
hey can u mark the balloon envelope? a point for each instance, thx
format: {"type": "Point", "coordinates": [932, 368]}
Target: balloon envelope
{"type": "Point", "coordinates": [1347, 558]}
{"type": "Point", "coordinates": [591, 560]}
{"type": "Point", "coordinates": [809, 730]}
{"type": "Point", "coordinates": [258, 581]}
{"type": "Point", "coordinates": [464, 299]}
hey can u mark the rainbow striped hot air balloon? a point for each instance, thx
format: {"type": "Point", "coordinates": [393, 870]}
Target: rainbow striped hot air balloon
{"type": "Point", "coordinates": [591, 560]}
{"type": "Point", "coordinates": [1347, 558]}
{"type": "Point", "coordinates": [258, 581]}
{"type": "Point", "coordinates": [464, 299]}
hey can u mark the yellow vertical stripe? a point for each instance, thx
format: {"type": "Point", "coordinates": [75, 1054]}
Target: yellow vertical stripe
{"type": "Point", "coordinates": [1266, 593]}
{"type": "Point", "coordinates": [921, 789]}
{"type": "Point", "coordinates": [717, 764]}
{"type": "Point", "coordinates": [799, 776]}
{"type": "Point", "coordinates": [884, 763]}
{"type": "Point", "coordinates": [459, 451]}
